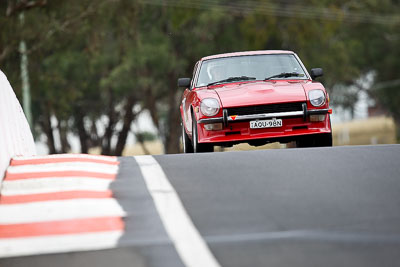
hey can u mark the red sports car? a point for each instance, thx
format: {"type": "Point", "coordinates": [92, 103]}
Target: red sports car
{"type": "Point", "coordinates": [254, 97]}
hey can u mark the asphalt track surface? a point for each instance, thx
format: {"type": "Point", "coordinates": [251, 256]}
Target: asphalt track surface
{"type": "Point", "coordinates": [306, 207]}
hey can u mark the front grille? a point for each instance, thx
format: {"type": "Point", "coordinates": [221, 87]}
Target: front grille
{"type": "Point", "coordinates": [271, 108]}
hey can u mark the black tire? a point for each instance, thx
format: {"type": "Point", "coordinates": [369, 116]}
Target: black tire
{"type": "Point", "coordinates": [186, 142]}
{"type": "Point", "coordinates": [325, 140]}
{"type": "Point", "coordinates": [318, 140]}
{"type": "Point", "coordinates": [199, 147]}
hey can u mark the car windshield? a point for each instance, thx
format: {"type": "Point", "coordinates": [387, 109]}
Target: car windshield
{"type": "Point", "coordinates": [258, 67]}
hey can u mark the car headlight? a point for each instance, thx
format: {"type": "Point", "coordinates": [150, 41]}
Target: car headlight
{"type": "Point", "coordinates": [317, 97]}
{"type": "Point", "coordinates": [209, 106]}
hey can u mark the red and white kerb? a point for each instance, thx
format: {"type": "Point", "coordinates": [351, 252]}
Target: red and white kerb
{"type": "Point", "coordinates": [59, 203]}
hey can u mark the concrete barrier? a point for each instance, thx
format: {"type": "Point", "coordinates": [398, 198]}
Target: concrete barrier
{"type": "Point", "coordinates": [15, 135]}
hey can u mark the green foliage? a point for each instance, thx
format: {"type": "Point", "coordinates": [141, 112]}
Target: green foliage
{"type": "Point", "coordinates": [145, 136]}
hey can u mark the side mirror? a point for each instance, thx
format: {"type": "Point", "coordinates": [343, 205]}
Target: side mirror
{"type": "Point", "coordinates": [317, 72]}
{"type": "Point", "coordinates": [184, 82]}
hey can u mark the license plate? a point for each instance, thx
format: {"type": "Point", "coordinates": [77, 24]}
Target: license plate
{"type": "Point", "coordinates": [265, 124]}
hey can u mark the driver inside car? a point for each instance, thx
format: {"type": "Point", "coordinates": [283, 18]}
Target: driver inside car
{"type": "Point", "coordinates": [216, 73]}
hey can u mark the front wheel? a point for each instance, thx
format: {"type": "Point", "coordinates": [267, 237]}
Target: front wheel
{"type": "Point", "coordinates": [318, 140]}
{"type": "Point", "coordinates": [199, 147]}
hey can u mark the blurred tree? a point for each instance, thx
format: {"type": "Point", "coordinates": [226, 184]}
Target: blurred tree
{"type": "Point", "coordinates": [375, 49]}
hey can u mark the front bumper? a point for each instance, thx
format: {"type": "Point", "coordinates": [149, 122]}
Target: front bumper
{"type": "Point", "coordinates": [303, 113]}
{"type": "Point", "coordinates": [237, 128]}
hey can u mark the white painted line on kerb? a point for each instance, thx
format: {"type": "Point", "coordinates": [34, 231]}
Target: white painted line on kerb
{"type": "Point", "coordinates": [188, 242]}
{"type": "Point", "coordinates": [52, 185]}
{"type": "Point", "coordinates": [59, 210]}
{"type": "Point", "coordinates": [11, 247]}
{"type": "Point", "coordinates": [63, 167]}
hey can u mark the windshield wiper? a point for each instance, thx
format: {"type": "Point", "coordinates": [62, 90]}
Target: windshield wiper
{"type": "Point", "coordinates": [233, 79]}
{"type": "Point", "coordinates": [285, 75]}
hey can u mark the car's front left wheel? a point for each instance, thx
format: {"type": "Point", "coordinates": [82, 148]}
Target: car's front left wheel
{"type": "Point", "coordinates": [199, 147]}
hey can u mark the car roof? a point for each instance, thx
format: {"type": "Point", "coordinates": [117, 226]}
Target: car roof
{"type": "Point", "coordinates": [247, 53]}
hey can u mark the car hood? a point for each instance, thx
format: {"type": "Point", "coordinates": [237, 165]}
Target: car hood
{"type": "Point", "coordinates": [259, 93]}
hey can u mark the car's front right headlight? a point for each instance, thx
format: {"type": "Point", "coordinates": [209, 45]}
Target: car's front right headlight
{"type": "Point", "coordinates": [317, 97]}
{"type": "Point", "coordinates": [209, 106]}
